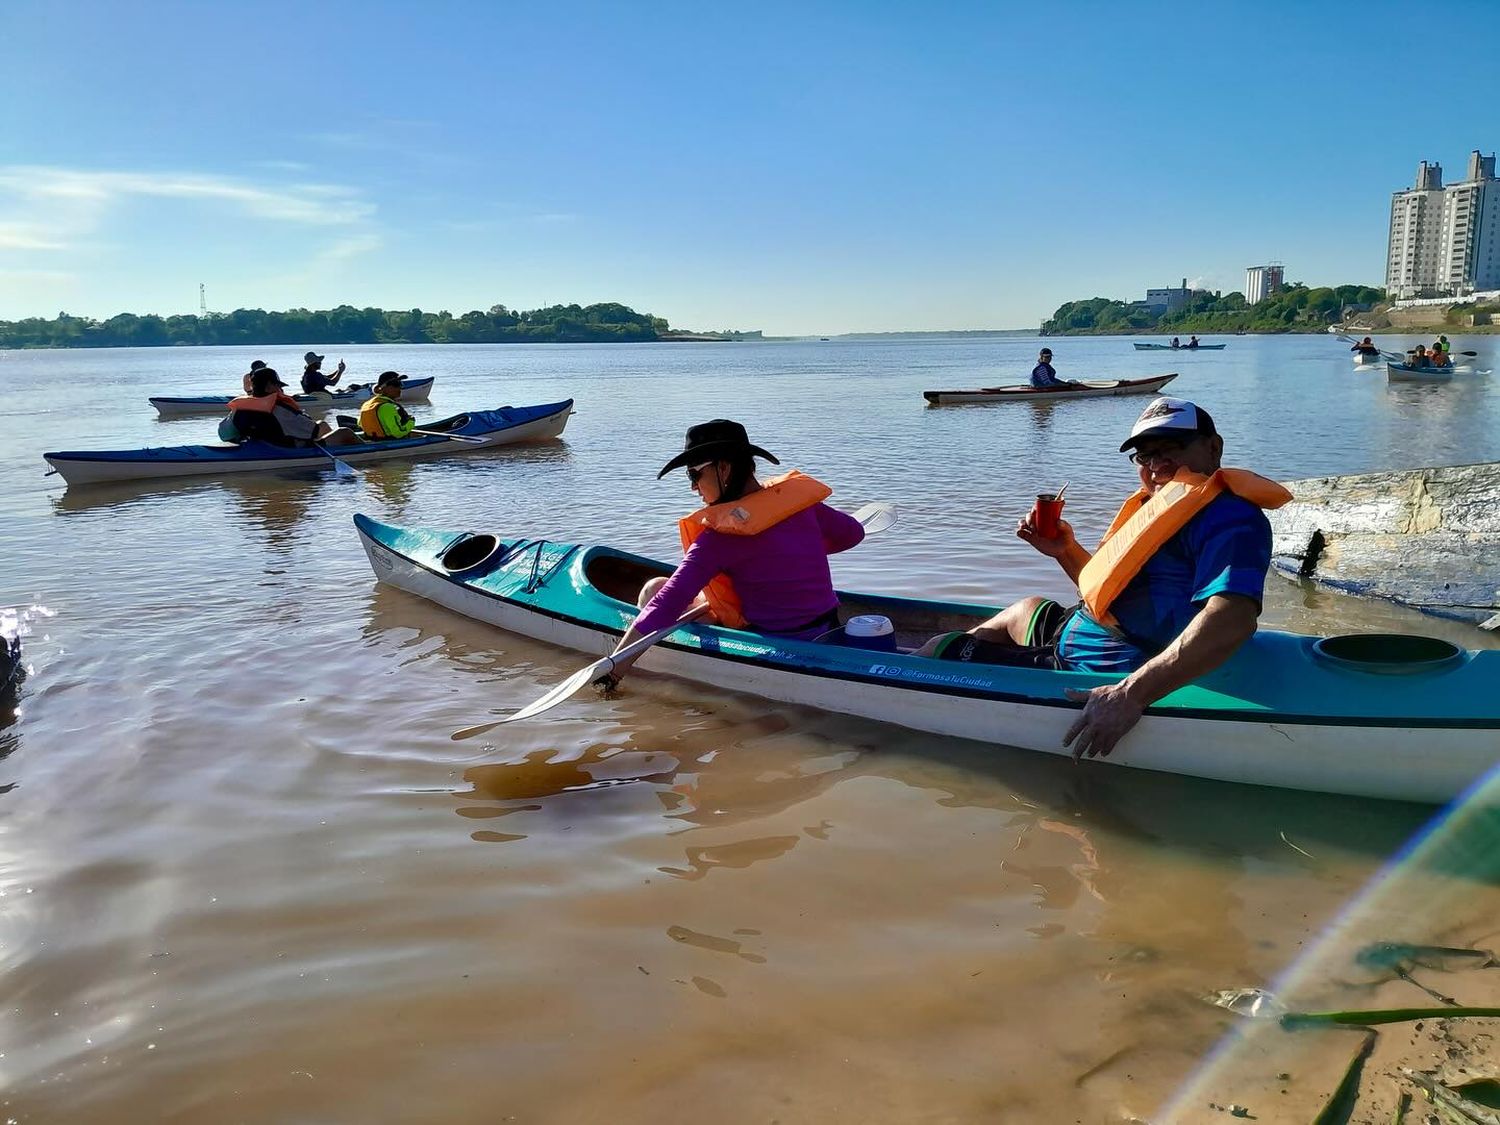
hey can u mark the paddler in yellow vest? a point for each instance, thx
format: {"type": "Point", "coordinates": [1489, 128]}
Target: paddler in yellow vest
{"type": "Point", "coordinates": [757, 553]}
{"type": "Point", "coordinates": [1173, 591]}
{"type": "Point", "coordinates": [382, 416]}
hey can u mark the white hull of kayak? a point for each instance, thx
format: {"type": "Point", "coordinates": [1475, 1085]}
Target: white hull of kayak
{"type": "Point", "coordinates": [1025, 393]}
{"type": "Point", "coordinates": [1368, 761]}
{"type": "Point", "coordinates": [1368, 359]}
{"type": "Point", "coordinates": [1400, 373]}
{"type": "Point", "coordinates": [103, 472]}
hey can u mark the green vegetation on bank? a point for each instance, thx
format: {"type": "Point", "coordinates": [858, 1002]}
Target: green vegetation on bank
{"type": "Point", "coordinates": [604, 323]}
{"type": "Point", "coordinates": [1294, 308]}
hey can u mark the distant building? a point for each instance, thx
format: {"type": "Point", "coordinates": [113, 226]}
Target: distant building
{"type": "Point", "coordinates": [1261, 282]}
{"type": "Point", "coordinates": [1445, 241]}
{"type": "Point", "coordinates": [1165, 300]}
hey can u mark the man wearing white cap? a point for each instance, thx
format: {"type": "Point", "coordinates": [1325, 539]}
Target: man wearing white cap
{"type": "Point", "coordinates": [1174, 589]}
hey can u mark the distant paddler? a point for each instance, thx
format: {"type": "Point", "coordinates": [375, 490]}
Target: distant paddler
{"type": "Point", "coordinates": [1365, 347]}
{"type": "Point", "coordinates": [1044, 375]}
{"type": "Point", "coordinates": [313, 378]}
{"type": "Point", "coordinates": [756, 553]}
{"type": "Point", "coordinates": [255, 365]}
{"type": "Point", "coordinates": [382, 416]}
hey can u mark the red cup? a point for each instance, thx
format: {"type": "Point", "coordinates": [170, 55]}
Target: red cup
{"type": "Point", "coordinates": [1046, 515]}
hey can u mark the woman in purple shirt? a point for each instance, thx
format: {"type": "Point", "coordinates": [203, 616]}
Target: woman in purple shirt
{"type": "Point", "coordinates": [756, 554]}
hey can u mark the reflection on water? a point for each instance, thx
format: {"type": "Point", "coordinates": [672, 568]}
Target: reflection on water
{"type": "Point", "coordinates": [246, 874]}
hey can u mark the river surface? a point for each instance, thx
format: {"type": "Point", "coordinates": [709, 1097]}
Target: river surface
{"type": "Point", "coordinates": [246, 875]}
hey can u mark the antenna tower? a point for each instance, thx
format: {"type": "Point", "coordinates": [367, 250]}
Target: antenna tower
{"type": "Point", "coordinates": [202, 301]}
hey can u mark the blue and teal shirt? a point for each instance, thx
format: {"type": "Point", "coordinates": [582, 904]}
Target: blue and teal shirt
{"type": "Point", "coordinates": [1224, 549]}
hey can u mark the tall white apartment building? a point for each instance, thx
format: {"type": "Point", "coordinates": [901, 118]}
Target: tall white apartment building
{"type": "Point", "coordinates": [1445, 241]}
{"type": "Point", "coordinates": [1261, 282]}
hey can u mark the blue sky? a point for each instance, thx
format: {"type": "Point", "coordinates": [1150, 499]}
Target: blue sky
{"type": "Point", "coordinates": [799, 168]}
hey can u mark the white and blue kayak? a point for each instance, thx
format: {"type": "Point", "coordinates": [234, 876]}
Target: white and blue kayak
{"type": "Point", "coordinates": [1180, 347]}
{"type": "Point", "coordinates": [486, 428]}
{"type": "Point", "coordinates": [1401, 373]}
{"type": "Point", "coordinates": [1407, 718]}
{"type": "Point", "coordinates": [412, 390]}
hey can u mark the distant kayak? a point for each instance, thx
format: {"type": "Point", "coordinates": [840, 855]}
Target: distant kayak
{"type": "Point", "coordinates": [412, 390]}
{"type": "Point", "coordinates": [1180, 347]}
{"type": "Point", "coordinates": [1027, 393]}
{"type": "Point", "coordinates": [1368, 359]}
{"type": "Point", "coordinates": [505, 426]}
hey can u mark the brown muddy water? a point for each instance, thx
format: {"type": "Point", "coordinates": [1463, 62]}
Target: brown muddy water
{"type": "Point", "coordinates": [246, 875]}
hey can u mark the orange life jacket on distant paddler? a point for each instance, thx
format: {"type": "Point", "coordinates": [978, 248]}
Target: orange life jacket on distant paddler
{"type": "Point", "coordinates": [1148, 519]}
{"type": "Point", "coordinates": [778, 499]}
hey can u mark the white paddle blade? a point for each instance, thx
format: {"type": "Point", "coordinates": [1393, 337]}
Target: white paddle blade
{"type": "Point", "coordinates": [877, 517]}
{"type": "Point", "coordinates": [344, 469]}
{"type": "Point", "coordinates": [573, 684]}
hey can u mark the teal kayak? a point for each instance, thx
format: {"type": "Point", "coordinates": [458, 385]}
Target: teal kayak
{"type": "Point", "coordinates": [1407, 718]}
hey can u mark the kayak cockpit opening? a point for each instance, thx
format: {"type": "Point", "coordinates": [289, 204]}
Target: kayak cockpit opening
{"type": "Point", "coordinates": [621, 577]}
{"type": "Point", "coordinates": [1389, 654]}
{"type": "Point", "coordinates": [469, 552]}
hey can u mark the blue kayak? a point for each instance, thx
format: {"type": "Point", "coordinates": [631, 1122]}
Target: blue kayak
{"type": "Point", "coordinates": [490, 428]}
{"type": "Point", "coordinates": [1408, 718]}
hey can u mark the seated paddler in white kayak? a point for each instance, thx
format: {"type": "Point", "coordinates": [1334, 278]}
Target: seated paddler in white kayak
{"type": "Point", "coordinates": [756, 553]}
{"type": "Point", "coordinates": [1172, 592]}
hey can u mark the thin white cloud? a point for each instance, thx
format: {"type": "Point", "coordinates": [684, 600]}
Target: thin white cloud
{"type": "Point", "coordinates": [27, 236]}
{"type": "Point", "coordinates": [346, 248]}
{"type": "Point", "coordinates": [316, 204]}
{"type": "Point", "coordinates": [53, 210]}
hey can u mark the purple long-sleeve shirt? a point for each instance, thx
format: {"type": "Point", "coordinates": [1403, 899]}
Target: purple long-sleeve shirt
{"type": "Point", "coordinates": [780, 575]}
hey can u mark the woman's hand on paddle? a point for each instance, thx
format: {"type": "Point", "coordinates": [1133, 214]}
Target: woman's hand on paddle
{"type": "Point", "coordinates": [1109, 713]}
{"type": "Point", "coordinates": [1052, 548]}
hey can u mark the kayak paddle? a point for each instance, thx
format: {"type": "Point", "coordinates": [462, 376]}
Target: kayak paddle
{"type": "Point", "coordinates": [340, 468]}
{"type": "Point", "coordinates": [451, 437]}
{"type": "Point", "coordinates": [584, 676]}
{"type": "Point", "coordinates": [876, 517]}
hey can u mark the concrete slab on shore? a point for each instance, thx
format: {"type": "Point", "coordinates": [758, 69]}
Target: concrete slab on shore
{"type": "Point", "coordinates": [1426, 538]}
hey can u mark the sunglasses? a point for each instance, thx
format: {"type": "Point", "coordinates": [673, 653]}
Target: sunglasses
{"type": "Point", "coordinates": [1162, 451]}
{"type": "Point", "coordinates": [696, 471]}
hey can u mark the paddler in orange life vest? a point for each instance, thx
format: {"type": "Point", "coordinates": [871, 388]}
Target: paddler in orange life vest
{"type": "Point", "coordinates": [1173, 590]}
{"type": "Point", "coordinates": [382, 416]}
{"type": "Point", "coordinates": [757, 553]}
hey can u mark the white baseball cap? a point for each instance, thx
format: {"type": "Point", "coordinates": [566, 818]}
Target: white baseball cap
{"type": "Point", "coordinates": [1170, 418]}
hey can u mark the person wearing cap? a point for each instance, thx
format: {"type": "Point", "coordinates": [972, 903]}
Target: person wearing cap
{"type": "Point", "coordinates": [382, 417]}
{"type": "Point", "coordinates": [268, 414]}
{"type": "Point", "coordinates": [1172, 592]}
{"type": "Point", "coordinates": [313, 379]}
{"type": "Point", "coordinates": [1044, 374]}
{"type": "Point", "coordinates": [254, 416]}
{"type": "Point", "coordinates": [757, 553]}
{"type": "Point", "coordinates": [255, 366]}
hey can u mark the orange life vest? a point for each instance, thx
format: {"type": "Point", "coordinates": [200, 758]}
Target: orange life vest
{"type": "Point", "coordinates": [1148, 519]}
{"type": "Point", "coordinates": [779, 498]}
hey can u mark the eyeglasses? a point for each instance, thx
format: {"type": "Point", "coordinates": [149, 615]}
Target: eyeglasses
{"type": "Point", "coordinates": [1161, 451]}
{"type": "Point", "coordinates": [696, 471]}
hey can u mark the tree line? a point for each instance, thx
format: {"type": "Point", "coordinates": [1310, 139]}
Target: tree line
{"type": "Point", "coordinates": [1293, 308]}
{"type": "Point", "coordinates": [600, 323]}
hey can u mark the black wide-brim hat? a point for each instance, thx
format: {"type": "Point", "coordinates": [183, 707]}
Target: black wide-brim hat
{"type": "Point", "coordinates": [717, 440]}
